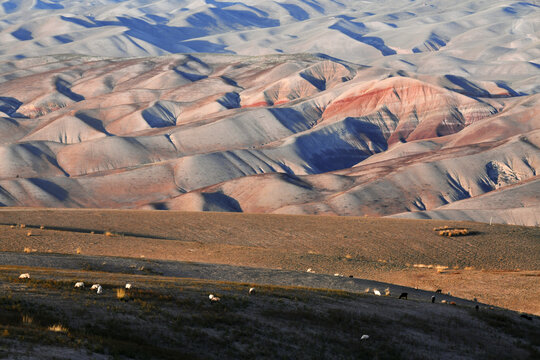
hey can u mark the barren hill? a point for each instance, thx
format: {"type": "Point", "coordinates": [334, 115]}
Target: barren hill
{"type": "Point", "coordinates": [282, 134]}
{"type": "Point", "coordinates": [348, 108]}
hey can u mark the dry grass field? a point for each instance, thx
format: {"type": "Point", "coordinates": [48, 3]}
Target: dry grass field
{"type": "Point", "coordinates": [496, 264]}
{"type": "Point", "coordinates": [162, 317]}
{"type": "Point", "coordinates": [176, 259]}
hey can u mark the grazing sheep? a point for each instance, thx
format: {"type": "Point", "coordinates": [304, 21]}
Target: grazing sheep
{"type": "Point", "coordinates": [377, 292]}
{"type": "Point", "coordinates": [439, 291]}
{"type": "Point", "coordinates": [94, 287]}
{"type": "Point", "coordinates": [213, 298]}
{"type": "Point", "coordinates": [403, 295]}
{"type": "Point", "coordinates": [99, 289]}
{"type": "Point", "coordinates": [128, 286]}
{"type": "Point", "coordinates": [336, 274]}
{"type": "Point", "coordinates": [79, 284]}
{"type": "Point", "coordinates": [433, 299]}
{"type": "Point", "coordinates": [251, 291]}
{"type": "Point", "coordinates": [443, 301]}
{"type": "Point", "coordinates": [364, 337]}
{"type": "Point", "coordinates": [310, 270]}
{"type": "Point", "coordinates": [387, 292]}
{"type": "Point", "coordinates": [351, 276]}
{"type": "Point", "coordinates": [24, 276]}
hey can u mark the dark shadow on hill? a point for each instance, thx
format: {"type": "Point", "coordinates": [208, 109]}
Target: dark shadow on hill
{"type": "Point", "coordinates": [94, 123]}
{"type": "Point", "coordinates": [190, 76]}
{"type": "Point", "coordinates": [295, 11]}
{"type": "Point", "coordinates": [10, 105]}
{"type": "Point", "coordinates": [50, 188]}
{"type": "Point", "coordinates": [169, 38]}
{"type": "Point", "coordinates": [64, 39]}
{"type": "Point", "coordinates": [341, 145]}
{"type": "Point", "coordinates": [433, 43]}
{"type": "Point", "coordinates": [295, 180]}
{"type": "Point", "coordinates": [221, 201]}
{"type": "Point", "coordinates": [293, 120]}
{"type": "Point", "coordinates": [466, 87]}
{"type": "Point", "coordinates": [232, 19]}
{"type": "Point", "coordinates": [230, 100]}
{"type": "Point", "coordinates": [225, 4]}
{"type": "Point", "coordinates": [34, 150]}
{"type": "Point", "coordinates": [159, 206]}
{"type": "Point", "coordinates": [22, 34]}
{"type": "Point", "coordinates": [10, 6]}
{"type": "Point", "coordinates": [328, 57]}
{"type": "Point", "coordinates": [158, 116]}
{"type": "Point", "coordinates": [511, 92]}
{"type": "Point", "coordinates": [52, 5]}
{"type": "Point", "coordinates": [314, 4]}
{"type": "Point", "coordinates": [64, 88]}
{"type": "Point", "coordinates": [318, 83]}
{"type": "Point", "coordinates": [373, 41]}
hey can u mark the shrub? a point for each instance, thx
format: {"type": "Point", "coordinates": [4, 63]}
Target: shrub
{"type": "Point", "coordinates": [121, 294]}
{"type": "Point", "coordinates": [446, 231]}
{"type": "Point", "coordinates": [27, 319]}
{"type": "Point", "coordinates": [57, 328]}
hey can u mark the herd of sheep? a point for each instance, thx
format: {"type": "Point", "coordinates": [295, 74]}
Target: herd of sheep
{"type": "Point", "coordinates": [214, 299]}
{"type": "Point", "coordinates": [99, 290]}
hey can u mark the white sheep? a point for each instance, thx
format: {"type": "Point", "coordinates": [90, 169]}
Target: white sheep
{"type": "Point", "coordinates": [377, 292]}
{"type": "Point", "coordinates": [364, 337]}
{"type": "Point", "coordinates": [24, 276]}
{"type": "Point", "coordinates": [99, 289]}
{"type": "Point", "coordinates": [94, 287]}
{"type": "Point", "coordinates": [251, 291]}
{"type": "Point", "coordinates": [128, 286]}
{"type": "Point", "coordinates": [310, 270]}
{"type": "Point", "coordinates": [79, 284]}
{"type": "Point", "coordinates": [213, 298]}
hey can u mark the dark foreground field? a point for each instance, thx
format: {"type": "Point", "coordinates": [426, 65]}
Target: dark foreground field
{"type": "Point", "coordinates": [171, 317]}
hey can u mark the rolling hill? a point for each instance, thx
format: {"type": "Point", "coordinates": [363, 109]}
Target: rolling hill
{"type": "Point", "coordinates": [299, 107]}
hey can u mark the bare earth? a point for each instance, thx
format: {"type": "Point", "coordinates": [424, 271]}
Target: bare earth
{"type": "Point", "coordinates": [494, 264]}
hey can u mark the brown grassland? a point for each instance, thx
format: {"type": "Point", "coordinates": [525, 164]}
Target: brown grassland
{"type": "Point", "coordinates": [498, 264]}
{"type": "Point", "coordinates": [171, 317]}
{"type": "Point", "coordinates": [45, 317]}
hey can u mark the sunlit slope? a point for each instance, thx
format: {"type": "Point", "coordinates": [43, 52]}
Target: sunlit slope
{"type": "Point", "coordinates": [286, 134]}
